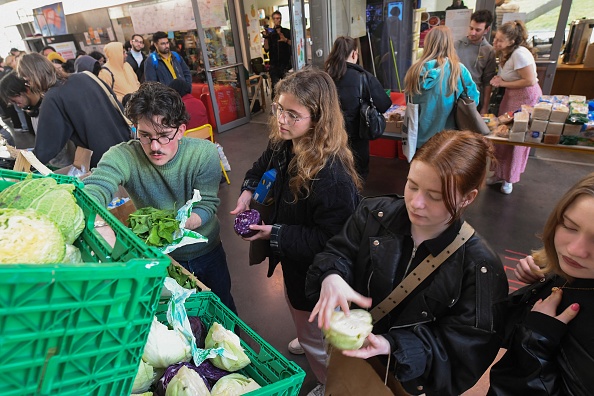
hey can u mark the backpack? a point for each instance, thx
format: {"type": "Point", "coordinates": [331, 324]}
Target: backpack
{"type": "Point", "coordinates": [155, 58]}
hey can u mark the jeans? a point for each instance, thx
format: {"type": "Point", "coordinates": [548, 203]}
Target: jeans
{"type": "Point", "coordinates": [212, 270]}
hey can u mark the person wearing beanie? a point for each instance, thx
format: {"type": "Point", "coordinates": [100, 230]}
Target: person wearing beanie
{"type": "Point", "coordinates": [87, 63]}
{"type": "Point", "coordinates": [57, 60]}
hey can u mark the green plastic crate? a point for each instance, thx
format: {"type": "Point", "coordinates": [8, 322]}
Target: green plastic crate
{"type": "Point", "coordinates": [78, 329]}
{"type": "Point", "coordinates": [272, 371]}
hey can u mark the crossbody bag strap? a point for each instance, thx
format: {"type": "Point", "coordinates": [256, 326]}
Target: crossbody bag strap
{"type": "Point", "coordinates": [111, 74]}
{"type": "Point", "coordinates": [419, 274]}
{"type": "Point", "coordinates": [110, 96]}
{"type": "Point", "coordinates": [360, 87]}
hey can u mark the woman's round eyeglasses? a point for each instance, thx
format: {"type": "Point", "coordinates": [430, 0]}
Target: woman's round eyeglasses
{"type": "Point", "coordinates": [289, 118]}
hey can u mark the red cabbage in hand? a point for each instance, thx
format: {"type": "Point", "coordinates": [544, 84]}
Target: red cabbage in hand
{"type": "Point", "coordinates": [243, 222]}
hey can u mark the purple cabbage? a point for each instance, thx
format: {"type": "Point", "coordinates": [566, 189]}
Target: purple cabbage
{"type": "Point", "coordinates": [243, 221]}
{"type": "Point", "coordinates": [209, 373]}
{"type": "Point", "coordinates": [199, 330]}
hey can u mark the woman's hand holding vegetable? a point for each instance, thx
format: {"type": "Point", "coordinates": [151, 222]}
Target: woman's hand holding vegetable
{"type": "Point", "coordinates": [374, 345]}
{"type": "Point", "coordinates": [336, 292]}
{"type": "Point", "coordinates": [527, 271]}
{"type": "Point", "coordinates": [549, 306]}
{"type": "Point", "coordinates": [243, 202]}
{"type": "Point", "coordinates": [264, 232]}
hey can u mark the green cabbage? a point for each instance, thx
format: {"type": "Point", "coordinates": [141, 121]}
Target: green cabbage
{"type": "Point", "coordinates": [29, 237]}
{"type": "Point", "coordinates": [234, 384]}
{"type": "Point", "coordinates": [144, 378]}
{"type": "Point", "coordinates": [72, 255]}
{"type": "Point", "coordinates": [234, 358]}
{"type": "Point", "coordinates": [187, 383]}
{"type": "Point", "coordinates": [349, 332]}
{"type": "Point", "coordinates": [165, 347]}
{"type": "Point", "coordinates": [46, 196]}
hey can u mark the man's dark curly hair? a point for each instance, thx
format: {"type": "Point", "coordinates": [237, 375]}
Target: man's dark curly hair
{"type": "Point", "coordinates": [12, 85]}
{"type": "Point", "coordinates": [156, 99]}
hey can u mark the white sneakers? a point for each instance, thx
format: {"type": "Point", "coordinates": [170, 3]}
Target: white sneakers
{"type": "Point", "coordinates": [318, 390]}
{"type": "Point", "coordinates": [295, 348]}
{"type": "Point", "coordinates": [506, 187]}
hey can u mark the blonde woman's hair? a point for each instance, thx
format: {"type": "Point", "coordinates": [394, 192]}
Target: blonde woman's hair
{"type": "Point", "coordinates": [327, 139]}
{"type": "Point", "coordinates": [39, 72]}
{"type": "Point", "coordinates": [439, 46]}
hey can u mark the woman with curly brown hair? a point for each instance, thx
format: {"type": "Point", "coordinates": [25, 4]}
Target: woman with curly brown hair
{"type": "Point", "coordinates": [315, 191]}
{"type": "Point", "coordinates": [517, 74]}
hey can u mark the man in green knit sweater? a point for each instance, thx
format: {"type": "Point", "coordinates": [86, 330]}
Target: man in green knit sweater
{"type": "Point", "coordinates": [161, 169]}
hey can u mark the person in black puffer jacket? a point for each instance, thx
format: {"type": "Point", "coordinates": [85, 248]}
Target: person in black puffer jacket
{"type": "Point", "coordinates": [342, 67]}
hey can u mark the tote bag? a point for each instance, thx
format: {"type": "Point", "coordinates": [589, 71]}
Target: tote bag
{"type": "Point", "coordinates": [467, 116]}
{"type": "Point", "coordinates": [410, 129]}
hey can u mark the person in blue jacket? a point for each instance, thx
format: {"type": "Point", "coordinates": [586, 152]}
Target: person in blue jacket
{"type": "Point", "coordinates": [434, 82]}
{"type": "Point", "coordinates": [165, 65]}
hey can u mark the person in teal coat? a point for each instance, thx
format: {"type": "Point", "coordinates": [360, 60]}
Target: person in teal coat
{"type": "Point", "coordinates": [434, 82]}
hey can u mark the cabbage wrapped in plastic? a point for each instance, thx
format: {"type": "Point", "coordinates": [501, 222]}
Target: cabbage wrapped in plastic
{"type": "Point", "coordinates": [144, 378]}
{"type": "Point", "coordinates": [187, 382]}
{"type": "Point", "coordinates": [234, 384]}
{"type": "Point", "coordinates": [165, 347]}
{"type": "Point", "coordinates": [349, 332]}
{"type": "Point", "coordinates": [234, 358]}
{"type": "Point", "coordinates": [29, 237]}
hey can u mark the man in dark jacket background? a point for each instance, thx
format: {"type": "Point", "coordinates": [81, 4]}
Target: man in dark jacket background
{"type": "Point", "coordinates": [278, 44]}
{"type": "Point", "coordinates": [136, 58]}
{"type": "Point", "coordinates": [163, 65]}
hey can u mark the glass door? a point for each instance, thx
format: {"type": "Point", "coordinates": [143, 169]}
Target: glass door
{"type": "Point", "coordinates": [223, 71]}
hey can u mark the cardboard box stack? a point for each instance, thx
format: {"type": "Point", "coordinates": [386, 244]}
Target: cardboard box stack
{"type": "Point", "coordinates": [555, 116]}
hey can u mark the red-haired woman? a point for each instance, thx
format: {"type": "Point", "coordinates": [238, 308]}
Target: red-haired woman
{"type": "Point", "coordinates": [445, 334]}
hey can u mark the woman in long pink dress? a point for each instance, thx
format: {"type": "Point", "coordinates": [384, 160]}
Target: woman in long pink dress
{"type": "Point", "coordinates": [517, 74]}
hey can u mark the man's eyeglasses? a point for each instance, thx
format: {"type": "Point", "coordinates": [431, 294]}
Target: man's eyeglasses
{"type": "Point", "coordinates": [162, 140]}
{"type": "Point", "coordinates": [289, 118]}
{"type": "Point", "coordinates": [138, 41]}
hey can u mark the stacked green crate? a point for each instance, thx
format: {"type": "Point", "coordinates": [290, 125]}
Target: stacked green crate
{"type": "Point", "coordinates": [74, 329]}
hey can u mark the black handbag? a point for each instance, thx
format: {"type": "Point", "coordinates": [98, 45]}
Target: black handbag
{"type": "Point", "coordinates": [372, 123]}
{"type": "Point", "coordinates": [467, 116]}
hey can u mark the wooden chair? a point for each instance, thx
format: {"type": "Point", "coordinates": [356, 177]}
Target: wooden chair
{"type": "Point", "coordinates": [205, 132]}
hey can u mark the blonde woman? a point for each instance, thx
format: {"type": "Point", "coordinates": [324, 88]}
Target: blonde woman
{"type": "Point", "coordinates": [435, 82]}
{"type": "Point", "coordinates": [315, 192]}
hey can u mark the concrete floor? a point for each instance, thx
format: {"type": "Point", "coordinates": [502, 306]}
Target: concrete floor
{"type": "Point", "coordinates": [509, 222]}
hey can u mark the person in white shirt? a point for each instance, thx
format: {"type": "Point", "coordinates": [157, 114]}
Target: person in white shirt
{"type": "Point", "coordinates": [136, 57]}
{"type": "Point", "coordinates": [517, 74]}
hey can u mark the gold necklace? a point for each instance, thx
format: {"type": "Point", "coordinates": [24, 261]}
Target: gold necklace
{"type": "Point", "coordinates": [571, 288]}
